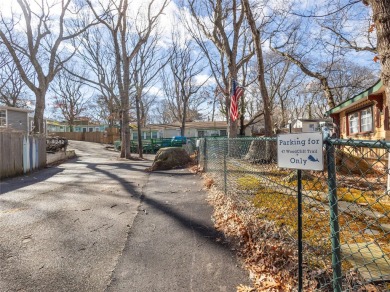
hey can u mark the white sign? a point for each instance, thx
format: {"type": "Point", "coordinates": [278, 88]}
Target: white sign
{"type": "Point", "coordinates": [301, 151]}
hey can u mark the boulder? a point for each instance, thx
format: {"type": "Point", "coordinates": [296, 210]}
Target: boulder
{"type": "Point", "coordinates": [169, 158]}
{"type": "Point", "coordinates": [262, 151]}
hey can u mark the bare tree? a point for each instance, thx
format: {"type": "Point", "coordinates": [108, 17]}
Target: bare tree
{"type": "Point", "coordinates": [222, 23]}
{"type": "Point", "coordinates": [260, 67]}
{"type": "Point", "coordinates": [380, 12]}
{"type": "Point", "coordinates": [283, 81]}
{"type": "Point", "coordinates": [293, 55]}
{"type": "Point", "coordinates": [145, 68]}
{"type": "Point", "coordinates": [115, 17]}
{"type": "Point", "coordinates": [41, 44]}
{"type": "Point", "coordinates": [181, 84]}
{"type": "Point", "coordinates": [97, 53]}
{"type": "Point", "coordinates": [381, 17]}
{"type": "Point", "coordinates": [69, 96]}
{"type": "Point", "coordinates": [163, 112]}
{"type": "Point", "coordinates": [350, 28]}
{"type": "Point", "coordinates": [13, 91]}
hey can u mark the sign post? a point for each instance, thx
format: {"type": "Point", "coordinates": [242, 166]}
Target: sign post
{"type": "Point", "coordinates": [301, 151]}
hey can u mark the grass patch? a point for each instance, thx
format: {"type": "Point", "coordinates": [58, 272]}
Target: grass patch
{"type": "Point", "coordinates": [248, 182]}
{"type": "Point", "coordinates": [374, 200]}
{"type": "Point", "coordinates": [282, 210]}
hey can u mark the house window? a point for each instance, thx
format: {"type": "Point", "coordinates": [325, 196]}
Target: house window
{"type": "Point", "coordinates": [154, 135]}
{"type": "Point", "coordinates": [90, 129]}
{"type": "Point", "coordinates": [360, 121]}
{"type": "Point", "coordinates": [147, 135]}
{"type": "Point", "coordinates": [3, 118]}
{"type": "Point", "coordinates": [366, 120]}
{"type": "Point", "coordinates": [200, 134]}
{"type": "Point", "coordinates": [222, 133]}
{"type": "Point", "coordinates": [135, 135]}
{"type": "Point", "coordinates": [97, 129]}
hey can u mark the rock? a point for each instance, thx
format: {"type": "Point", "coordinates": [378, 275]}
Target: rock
{"type": "Point", "coordinates": [169, 158]}
{"type": "Point", "coordinates": [262, 151]}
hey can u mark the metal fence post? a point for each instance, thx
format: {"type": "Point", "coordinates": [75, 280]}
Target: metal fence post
{"type": "Point", "coordinates": [224, 169]}
{"type": "Point", "coordinates": [300, 241]}
{"type": "Point", "coordinates": [334, 223]}
{"type": "Point", "coordinates": [205, 155]}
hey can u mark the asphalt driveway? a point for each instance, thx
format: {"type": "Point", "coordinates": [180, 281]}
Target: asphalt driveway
{"type": "Point", "coordinates": [97, 223]}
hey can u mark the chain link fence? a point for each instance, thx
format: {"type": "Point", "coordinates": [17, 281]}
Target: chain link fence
{"type": "Point", "coordinates": [346, 207]}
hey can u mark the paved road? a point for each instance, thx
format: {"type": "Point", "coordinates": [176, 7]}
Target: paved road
{"type": "Point", "coordinates": [173, 245]}
{"type": "Point", "coordinates": [97, 223]}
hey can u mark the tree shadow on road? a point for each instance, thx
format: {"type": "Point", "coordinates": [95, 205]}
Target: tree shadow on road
{"type": "Point", "coordinates": [12, 184]}
{"type": "Point", "coordinates": [201, 227]}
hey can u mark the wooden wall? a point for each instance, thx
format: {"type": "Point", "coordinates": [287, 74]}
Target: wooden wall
{"type": "Point", "coordinates": [20, 153]}
{"type": "Point", "coordinates": [107, 137]}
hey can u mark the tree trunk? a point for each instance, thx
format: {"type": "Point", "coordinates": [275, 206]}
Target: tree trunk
{"type": "Point", "coordinates": [139, 125]}
{"type": "Point", "coordinates": [283, 110]}
{"type": "Point", "coordinates": [381, 17]}
{"type": "Point", "coordinates": [261, 70]}
{"type": "Point", "coordinates": [125, 147]}
{"type": "Point", "coordinates": [183, 121]}
{"type": "Point", "coordinates": [39, 112]}
{"type": "Point", "coordinates": [242, 125]}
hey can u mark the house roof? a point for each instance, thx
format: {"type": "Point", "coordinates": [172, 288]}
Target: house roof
{"type": "Point", "coordinates": [313, 120]}
{"type": "Point", "coordinates": [192, 125]}
{"type": "Point", "coordinates": [206, 125]}
{"type": "Point", "coordinates": [375, 89]}
{"type": "Point", "coordinates": [15, 109]}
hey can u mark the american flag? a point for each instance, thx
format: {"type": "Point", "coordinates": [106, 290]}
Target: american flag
{"type": "Point", "coordinates": [237, 91]}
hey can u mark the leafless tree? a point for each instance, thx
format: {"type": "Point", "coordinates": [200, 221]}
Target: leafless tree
{"type": "Point", "coordinates": [181, 81]}
{"type": "Point", "coordinates": [114, 15]}
{"type": "Point", "coordinates": [289, 49]}
{"type": "Point", "coordinates": [13, 91]}
{"type": "Point", "coordinates": [69, 96]}
{"type": "Point", "coordinates": [97, 53]}
{"type": "Point", "coordinates": [221, 23]}
{"type": "Point", "coordinates": [381, 17]}
{"type": "Point", "coordinates": [163, 112]}
{"type": "Point", "coordinates": [283, 81]}
{"type": "Point", "coordinates": [260, 66]}
{"type": "Point", "coordinates": [145, 68]}
{"type": "Point", "coordinates": [375, 35]}
{"type": "Point", "coordinates": [42, 44]}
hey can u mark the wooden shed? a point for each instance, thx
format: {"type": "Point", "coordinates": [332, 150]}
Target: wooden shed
{"type": "Point", "coordinates": [15, 118]}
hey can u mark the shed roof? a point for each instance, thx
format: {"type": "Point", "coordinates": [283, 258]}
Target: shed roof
{"type": "Point", "coordinates": [16, 109]}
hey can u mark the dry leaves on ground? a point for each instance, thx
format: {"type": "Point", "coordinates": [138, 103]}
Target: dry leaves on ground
{"type": "Point", "coordinates": [267, 254]}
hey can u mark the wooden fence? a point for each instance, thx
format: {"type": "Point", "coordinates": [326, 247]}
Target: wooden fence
{"type": "Point", "coordinates": [21, 153]}
{"type": "Point", "coordinates": [106, 137]}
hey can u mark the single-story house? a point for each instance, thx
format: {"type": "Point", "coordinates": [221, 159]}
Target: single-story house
{"type": "Point", "coordinates": [15, 118]}
{"type": "Point", "coordinates": [364, 116]}
{"type": "Point", "coordinates": [308, 125]}
{"type": "Point", "coordinates": [55, 126]}
{"type": "Point", "coordinates": [82, 124]}
{"type": "Point", "coordinates": [192, 129]}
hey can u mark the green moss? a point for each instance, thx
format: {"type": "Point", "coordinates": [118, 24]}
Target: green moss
{"type": "Point", "coordinates": [248, 182]}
